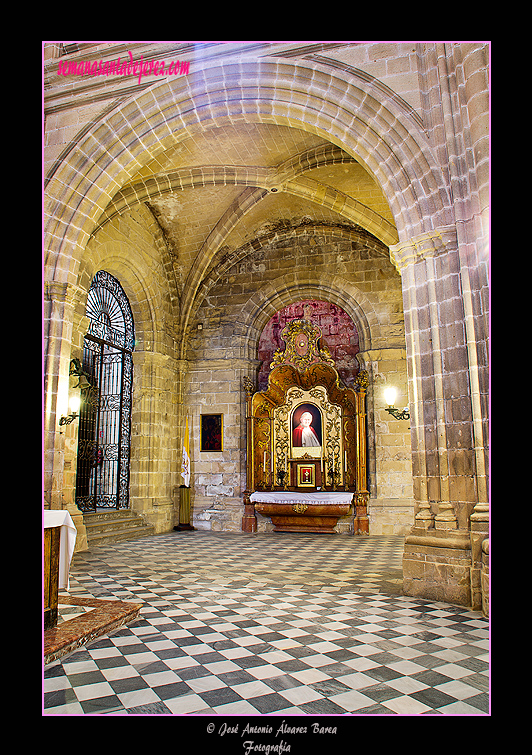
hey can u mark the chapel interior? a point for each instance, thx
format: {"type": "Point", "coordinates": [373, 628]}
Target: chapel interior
{"type": "Point", "coordinates": [272, 229]}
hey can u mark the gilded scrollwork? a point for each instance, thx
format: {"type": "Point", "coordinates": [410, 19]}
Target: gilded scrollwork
{"type": "Point", "coordinates": [362, 380]}
{"type": "Point", "coordinates": [249, 386]}
{"type": "Point", "coordinates": [330, 452]}
{"type": "Point", "coordinates": [281, 441]}
{"type": "Point", "coordinates": [302, 346]}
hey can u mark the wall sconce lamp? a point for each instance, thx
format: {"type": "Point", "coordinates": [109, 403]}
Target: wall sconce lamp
{"type": "Point", "coordinates": [389, 397]}
{"type": "Point", "coordinates": [74, 404]}
{"type": "Point", "coordinates": [75, 401]}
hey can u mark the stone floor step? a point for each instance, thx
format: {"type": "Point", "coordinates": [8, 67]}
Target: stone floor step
{"type": "Point", "coordinates": [113, 526]}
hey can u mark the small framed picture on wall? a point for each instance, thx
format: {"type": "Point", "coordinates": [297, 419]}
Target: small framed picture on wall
{"type": "Point", "coordinates": [211, 432]}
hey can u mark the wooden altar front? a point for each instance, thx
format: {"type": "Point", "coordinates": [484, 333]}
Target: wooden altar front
{"type": "Point", "coordinates": [306, 440]}
{"type": "Point", "coordinates": [300, 512]}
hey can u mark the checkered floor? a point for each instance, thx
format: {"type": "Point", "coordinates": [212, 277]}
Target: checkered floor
{"type": "Point", "coordinates": [279, 624]}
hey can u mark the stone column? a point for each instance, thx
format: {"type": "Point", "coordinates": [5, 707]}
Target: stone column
{"type": "Point", "coordinates": [437, 559]}
{"type": "Point", "coordinates": [182, 367]}
{"type": "Point", "coordinates": [391, 504]}
{"type": "Point", "coordinates": [155, 457]}
{"type": "Point", "coordinates": [58, 337]}
{"type": "Point", "coordinates": [60, 443]}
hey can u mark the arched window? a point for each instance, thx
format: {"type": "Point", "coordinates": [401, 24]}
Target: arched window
{"type": "Point", "coordinates": [105, 417]}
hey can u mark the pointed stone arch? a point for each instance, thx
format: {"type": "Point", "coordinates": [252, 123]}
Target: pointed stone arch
{"type": "Point", "coordinates": [346, 111]}
{"type": "Point", "coordinates": [151, 311]}
{"type": "Point", "coordinates": [277, 294]}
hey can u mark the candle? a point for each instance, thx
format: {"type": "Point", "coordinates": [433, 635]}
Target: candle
{"type": "Point", "coordinates": [264, 462]}
{"type": "Point", "coordinates": [345, 461]}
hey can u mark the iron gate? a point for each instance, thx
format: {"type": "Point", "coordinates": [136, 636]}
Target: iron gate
{"type": "Point", "coordinates": [102, 479]}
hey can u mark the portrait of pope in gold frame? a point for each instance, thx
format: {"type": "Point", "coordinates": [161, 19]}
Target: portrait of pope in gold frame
{"type": "Point", "coordinates": [306, 427]}
{"type": "Point", "coordinates": [306, 476]}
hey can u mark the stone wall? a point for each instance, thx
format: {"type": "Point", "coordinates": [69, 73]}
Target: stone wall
{"type": "Point", "coordinates": [129, 248]}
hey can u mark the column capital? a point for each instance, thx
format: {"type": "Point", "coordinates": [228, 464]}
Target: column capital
{"type": "Point", "coordinates": [60, 291]}
{"type": "Point", "coordinates": [55, 291]}
{"type": "Point", "coordinates": [426, 245]}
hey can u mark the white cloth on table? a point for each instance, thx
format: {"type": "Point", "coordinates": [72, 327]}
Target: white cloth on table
{"type": "Point", "coordinates": [61, 518]}
{"type": "Point", "coordinates": [296, 497]}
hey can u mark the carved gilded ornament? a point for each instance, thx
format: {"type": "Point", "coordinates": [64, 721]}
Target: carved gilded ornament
{"type": "Point", "coordinates": [249, 386]}
{"type": "Point", "coordinates": [302, 346]}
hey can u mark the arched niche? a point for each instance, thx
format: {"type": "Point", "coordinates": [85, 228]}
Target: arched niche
{"type": "Point", "coordinates": [338, 330]}
{"type": "Point", "coordinates": [306, 485]}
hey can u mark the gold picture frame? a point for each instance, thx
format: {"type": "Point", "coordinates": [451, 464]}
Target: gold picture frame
{"type": "Point", "coordinates": [306, 476]}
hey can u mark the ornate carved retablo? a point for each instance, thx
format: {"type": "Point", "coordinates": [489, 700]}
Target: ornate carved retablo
{"type": "Point", "coordinates": [324, 453]}
{"type": "Point", "coordinates": [302, 346]}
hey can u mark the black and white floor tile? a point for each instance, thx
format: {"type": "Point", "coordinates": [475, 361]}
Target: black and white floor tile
{"type": "Point", "coordinates": [268, 624]}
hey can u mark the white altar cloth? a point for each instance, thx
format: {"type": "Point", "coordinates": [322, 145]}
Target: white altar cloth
{"type": "Point", "coordinates": [61, 518]}
{"type": "Point", "coordinates": [297, 497]}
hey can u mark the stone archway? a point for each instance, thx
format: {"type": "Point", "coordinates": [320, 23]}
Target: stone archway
{"type": "Point", "coordinates": [104, 441]}
{"type": "Point", "coordinates": [346, 109]}
{"type": "Point", "coordinates": [382, 135]}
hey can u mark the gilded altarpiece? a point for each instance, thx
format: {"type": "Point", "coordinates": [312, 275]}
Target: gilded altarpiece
{"type": "Point", "coordinates": [306, 440]}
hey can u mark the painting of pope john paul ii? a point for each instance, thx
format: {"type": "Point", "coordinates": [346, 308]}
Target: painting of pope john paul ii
{"type": "Point", "coordinates": [306, 427]}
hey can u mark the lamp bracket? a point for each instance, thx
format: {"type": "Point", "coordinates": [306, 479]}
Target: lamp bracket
{"type": "Point", "coordinates": [68, 419]}
{"type": "Point", "coordinates": [405, 414]}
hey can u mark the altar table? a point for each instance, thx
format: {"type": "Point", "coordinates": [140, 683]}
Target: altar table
{"type": "Point", "coordinates": [59, 542]}
{"type": "Point", "coordinates": [294, 511]}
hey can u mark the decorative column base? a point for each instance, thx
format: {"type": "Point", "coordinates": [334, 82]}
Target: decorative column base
{"type": "Point", "coordinates": [437, 565]}
{"type": "Point", "coordinates": [82, 543]}
{"type": "Point", "coordinates": [424, 519]}
{"type": "Point", "coordinates": [479, 534]}
{"type": "Point", "coordinates": [485, 578]}
{"type": "Point", "coordinates": [361, 518]}
{"type": "Point", "coordinates": [445, 519]}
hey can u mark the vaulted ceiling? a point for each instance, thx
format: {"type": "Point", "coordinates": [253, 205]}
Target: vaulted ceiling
{"type": "Point", "coordinates": [224, 186]}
